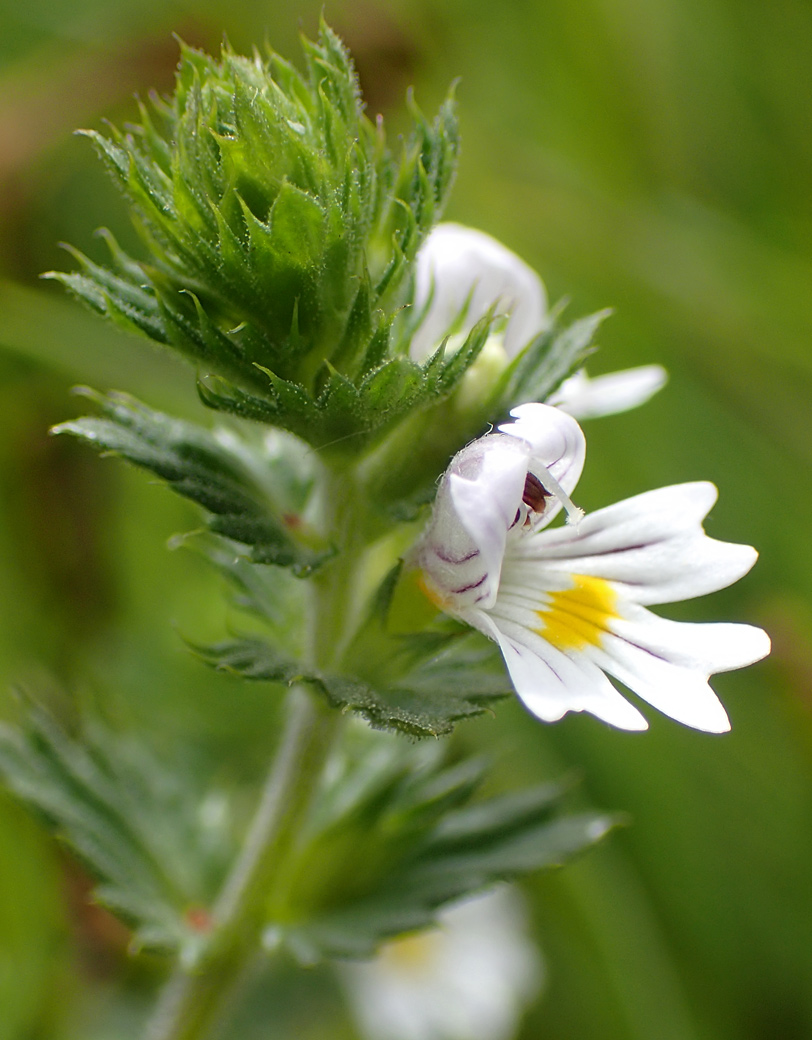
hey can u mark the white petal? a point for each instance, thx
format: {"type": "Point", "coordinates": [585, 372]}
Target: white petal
{"type": "Point", "coordinates": [461, 265]}
{"type": "Point", "coordinates": [557, 444]}
{"type": "Point", "coordinates": [587, 398]}
{"type": "Point", "coordinates": [487, 505]}
{"type": "Point", "coordinates": [462, 549]}
{"type": "Point", "coordinates": [667, 663]}
{"type": "Point", "coordinates": [467, 979]}
{"type": "Point", "coordinates": [680, 693]}
{"type": "Point", "coordinates": [705, 646]}
{"type": "Point", "coordinates": [551, 683]}
{"type": "Point", "coordinates": [652, 545]}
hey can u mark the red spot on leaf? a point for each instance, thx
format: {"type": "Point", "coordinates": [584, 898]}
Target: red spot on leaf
{"type": "Point", "coordinates": [198, 919]}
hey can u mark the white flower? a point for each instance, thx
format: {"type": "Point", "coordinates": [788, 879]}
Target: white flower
{"type": "Point", "coordinates": [568, 605]}
{"type": "Point", "coordinates": [460, 269]}
{"type": "Point", "coordinates": [468, 979]}
{"type": "Point", "coordinates": [459, 266]}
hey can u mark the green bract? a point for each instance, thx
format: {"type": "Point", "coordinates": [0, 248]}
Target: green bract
{"type": "Point", "coordinates": [247, 498]}
{"type": "Point", "coordinates": [158, 853]}
{"type": "Point", "coordinates": [280, 230]}
{"type": "Point", "coordinates": [140, 826]}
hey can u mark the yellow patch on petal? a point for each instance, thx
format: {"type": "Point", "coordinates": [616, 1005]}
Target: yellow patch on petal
{"type": "Point", "coordinates": [413, 954]}
{"type": "Point", "coordinates": [413, 605]}
{"type": "Point", "coordinates": [431, 594]}
{"type": "Point", "coordinates": [578, 617]}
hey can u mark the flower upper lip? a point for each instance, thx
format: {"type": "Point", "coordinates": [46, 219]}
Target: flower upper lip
{"type": "Point", "coordinates": [483, 489]}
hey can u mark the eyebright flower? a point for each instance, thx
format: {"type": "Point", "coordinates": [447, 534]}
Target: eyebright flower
{"type": "Point", "coordinates": [468, 979]}
{"type": "Point", "coordinates": [568, 606]}
{"type": "Point", "coordinates": [460, 269]}
{"type": "Point", "coordinates": [461, 273]}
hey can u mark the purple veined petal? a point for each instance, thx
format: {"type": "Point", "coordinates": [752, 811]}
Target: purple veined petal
{"type": "Point", "coordinates": [708, 647]}
{"type": "Point", "coordinates": [587, 398]}
{"type": "Point", "coordinates": [461, 552]}
{"type": "Point", "coordinates": [668, 663]}
{"type": "Point", "coordinates": [680, 693]}
{"type": "Point", "coordinates": [551, 683]}
{"type": "Point", "coordinates": [652, 546]}
{"type": "Point", "coordinates": [458, 265]}
{"type": "Point", "coordinates": [485, 499]}
{"type": "Point", "coordinates": [557, 444]}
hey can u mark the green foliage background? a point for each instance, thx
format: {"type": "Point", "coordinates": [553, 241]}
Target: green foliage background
{"type": "Point", "coordinates": [650, 155]}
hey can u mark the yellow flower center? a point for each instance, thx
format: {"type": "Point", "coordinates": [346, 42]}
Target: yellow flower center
{"type": "Point", "coordinates": [578, 617]}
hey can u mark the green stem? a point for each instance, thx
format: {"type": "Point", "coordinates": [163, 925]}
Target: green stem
{"type": "Point", "coordinates": [192, 1002]}
{"type": "Point", "coordinates": [334, 586]}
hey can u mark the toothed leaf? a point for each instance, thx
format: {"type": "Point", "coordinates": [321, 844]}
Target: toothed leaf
{"type": "Point", "coordinates": [219, 473]}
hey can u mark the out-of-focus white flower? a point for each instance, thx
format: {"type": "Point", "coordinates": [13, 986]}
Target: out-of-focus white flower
{"type": "Point", "coordinates": [568, 605]}
{"type": "Point", "coordinates": [468, 979]}
{"type": "Point", "coordinates": [462, 271]}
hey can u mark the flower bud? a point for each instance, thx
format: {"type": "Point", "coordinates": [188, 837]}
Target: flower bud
{"type": "Point", "coordinates": [280, 228]}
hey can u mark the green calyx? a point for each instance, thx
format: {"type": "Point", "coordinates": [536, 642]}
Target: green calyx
{"type": "Point", "coordinates": [280, 228]}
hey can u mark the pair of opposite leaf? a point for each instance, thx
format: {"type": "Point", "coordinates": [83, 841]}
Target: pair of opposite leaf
{"type": "Point", "coordinates": [568, 606]}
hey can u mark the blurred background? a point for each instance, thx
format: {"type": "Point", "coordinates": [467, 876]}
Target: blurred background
{"type": "Point", "coordinates": [649, 155]}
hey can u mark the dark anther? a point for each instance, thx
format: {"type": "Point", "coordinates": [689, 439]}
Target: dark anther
{"type": "Point", "coordinates": [535, 495]}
